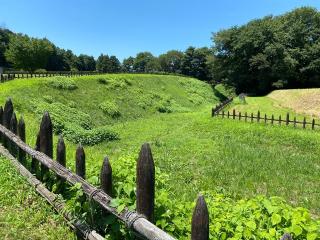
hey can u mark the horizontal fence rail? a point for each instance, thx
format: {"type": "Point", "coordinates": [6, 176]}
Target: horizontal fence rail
{"type": "Point", "coordinates": [265, 119]}
{"type": "Point", "coordinates": [216, 109]}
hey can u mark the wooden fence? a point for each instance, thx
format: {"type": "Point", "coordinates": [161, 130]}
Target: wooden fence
{"type": "Point", "coordinates": [265, 119]}
{"type": "Point", "coordinates": [10, 75]}
{"type": "Point", "coordinates": [7, 76]}
{"type": "Point", "coordinates": [216, 109]}
{"type": "Point", "coordinates": [13, 138]}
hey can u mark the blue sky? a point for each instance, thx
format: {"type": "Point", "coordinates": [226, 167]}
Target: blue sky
{"type": "Point", "coordinates": [123, 28]}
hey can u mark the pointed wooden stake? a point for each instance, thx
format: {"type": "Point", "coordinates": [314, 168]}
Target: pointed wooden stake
{"type": "Point", "coordinates": [145, 183]}
{"type": "Point", "coordinates": [46, 140]}
{"type": "Point", "coordinates": [22, 135]}
{"type": "Point", "coordinates": [200, 221]}
{"type": "Point", "coordinates": [80, 162]}
{"type": "Point", "coordinates": [13, 129]}
{"type": "Point", "coordinates": [61, 158]}
{"type": "Point", "coordinates": [106, 177]}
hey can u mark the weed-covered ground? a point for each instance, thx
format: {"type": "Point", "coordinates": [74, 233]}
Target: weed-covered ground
{"type": "Point", "coordinates": [118, 113]}
{"type": "Point", "coordinates": [23, 213]}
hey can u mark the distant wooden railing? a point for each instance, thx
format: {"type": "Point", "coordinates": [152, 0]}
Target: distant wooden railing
{"type": "Point", "coordinates": [7, 76]}
{"type": "Point", "coordinates": [216, 109]}
{"type": "Point", "coordinates": [11, 75]}
{"type": "Point", "coordinates": [265, 119]}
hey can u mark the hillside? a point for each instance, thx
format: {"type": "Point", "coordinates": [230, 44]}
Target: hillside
{"type": "Point", "coordinates": [297, 102]}
{"type": "Point", "coordinates": [303, 101]}
{"type": "Point", "coordinates": [196, 152]}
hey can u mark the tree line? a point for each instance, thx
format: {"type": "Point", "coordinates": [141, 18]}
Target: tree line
{"type": "Point", "coordinates": [262, 55]}
{"type": "Point", "coordinates": [270, 53]}
{"type": "Point", "coordinates": [21, 52]}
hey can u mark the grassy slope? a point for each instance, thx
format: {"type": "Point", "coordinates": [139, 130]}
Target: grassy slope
{"type": "Point", "coordinates": [197, 151]}
{"type": "Point", "coordinates": [297, 102]}
{"type": "Point", "coordinates": [23, 213]}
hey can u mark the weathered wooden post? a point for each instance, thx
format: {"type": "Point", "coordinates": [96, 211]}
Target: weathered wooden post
{"type": "Point", "coordinates": [106, 177]}
{"type": "Point", "coordinates": [22, 136]}
{"type": "Point", "coordinates": [34, 162]}
{"type": "Point", "coordinates": [252, 117]}
{"type": "Point", "coordinates": [7, 115]}
{"type": "Point", "coordinates": [239, 116]}
{"type": "Point", "coordinates": [258, 116]}
{"type": "Point", "coordinates": [145, 183]}
{"type": "Point", "coordinates": [313, 123]}
{"type": "Point", "coordinates": [61, 158]}
{"type": "Point", "coordinates": [80, 162]}
{"type": "Point", "coordinates": [286, 236]}
{"type": "Point", "coordinates": [46, 141]}
{"type": "Point", "coordinates": [233, 113]}
{"type": "Point", "coordinates": [304, 122]}
{"type": "Point", "coordinates": [287, 119]}
{"type": "Point", "coordinates": [200, 221]}
{"type": "Point", "coordinates": [280, 120]}
{"type": "Point", "coordinates": [13, 129]}
{"type": "Point", "coordinates": [265, 118]}
{"type": "Point", "coordinates": [222, 114]}
{"type": "Point", "coordinates": [212, 112]}
{"type": "Point", "coordinates": [1, 121]}
{"type": "Point", "coordinates": [272, 119]}
{"type": "Point", "coordinates": [228, 114]}
{"type": "Point", "coordinates": [294, 122]}
{"type": "Point", "coordinates": [245, 116]}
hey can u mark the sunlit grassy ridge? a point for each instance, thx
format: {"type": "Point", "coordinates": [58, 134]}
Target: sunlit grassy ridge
{"type": "Point", "coordinates": [173, 114]}
{"type": "Point", "coordinates": [297, 102]}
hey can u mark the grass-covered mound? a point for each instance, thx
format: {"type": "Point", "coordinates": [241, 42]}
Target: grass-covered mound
{"type": "Point", "coordinates": [23, 213]}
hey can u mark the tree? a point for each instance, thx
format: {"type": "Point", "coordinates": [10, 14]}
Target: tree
{"type": "Point", "coordinates": [58, 61]}
{"type": "Point", "coordinates": [108, 64]}
{"type": "Point", "coordinates": [86, 63]}
{"type": "Point", "coordinates": [115, 64]}
{"type": "Point", "coordinates": [128, 64]}
{"type": "Point", "coordinates": [194, 63]}
{"type": "Point", "coordinates": [171, 61]}
{"type": "Point", "coordinates": [141, 61]}
{"type": "Point", "coordinates": [269, 53]}
{"type": "Point", "coordinates": [4, 41]}
{"type": "Point", "coordinates": [28, 53]}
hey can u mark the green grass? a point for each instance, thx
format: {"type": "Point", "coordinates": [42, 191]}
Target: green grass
{"type": "Point", "coordinates": [197, 152]}
{"type": "Point", "coordinates": [298, 103]}
{"type": "Point", "coordinates": [23, 213]}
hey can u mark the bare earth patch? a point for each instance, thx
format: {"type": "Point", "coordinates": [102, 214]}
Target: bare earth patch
{"type": "Point", "coordinates": [304, 101]}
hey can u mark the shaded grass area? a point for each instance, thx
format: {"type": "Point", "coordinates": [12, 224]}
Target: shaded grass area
{"type": "Point", "coordinates": [23, 213]}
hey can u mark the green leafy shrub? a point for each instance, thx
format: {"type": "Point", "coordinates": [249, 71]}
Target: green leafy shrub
{"type": "Point", "coordinates": [48, 99]}
{"type": "Point", "coordinates": [110, 108]}
{"type": "Point", "coordinates": [62, 83]}
{"type": "Point", "coordinates": [40, 70]}
{"type": "Point", "coordinates": [256, 218]}
{"type": "Point", "coordinates": [90, 137]}
{"type": "Point", "coordinates": [75, 125]}
{"type": "Point", "coordinates": [62, 114]}
{"type": "Point", "coordinates": [103, 80]}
